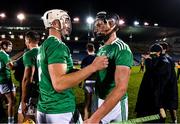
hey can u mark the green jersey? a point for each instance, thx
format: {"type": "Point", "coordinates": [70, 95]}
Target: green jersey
{"type": "Point", "coordinates": [5, 74]}
{"type": "Point", "coordinates": [119, 54]}
{"type": "Point", "coordinates": [30, 59]}
{"type": "Point", "coordinates": [51, 102]}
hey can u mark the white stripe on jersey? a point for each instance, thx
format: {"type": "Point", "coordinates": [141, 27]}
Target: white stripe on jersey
{"type": "Point", "coordinates": [121, 45]}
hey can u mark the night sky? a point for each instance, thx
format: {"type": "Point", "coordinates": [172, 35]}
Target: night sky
{"type": "Point", "coordinates": [163, 12]}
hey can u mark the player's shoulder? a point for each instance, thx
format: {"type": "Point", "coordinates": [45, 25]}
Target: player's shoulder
{"type": "Point", "coordinates": [120, 45]}
{"type": "Point", "coordinates": [53, 41]}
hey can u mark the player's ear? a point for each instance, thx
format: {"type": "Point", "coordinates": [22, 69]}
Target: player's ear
{"type": "Point", "coordinates": [56, 24]}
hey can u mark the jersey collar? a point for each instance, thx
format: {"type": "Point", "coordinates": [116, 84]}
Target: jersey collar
{"type": "Point", "coordinates": [115, 40]}
{"type": "Point", "coordinates": [54, 37]}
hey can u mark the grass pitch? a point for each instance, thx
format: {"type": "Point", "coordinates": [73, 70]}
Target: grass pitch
{"type": "Point", "coordinates": [133, 88]}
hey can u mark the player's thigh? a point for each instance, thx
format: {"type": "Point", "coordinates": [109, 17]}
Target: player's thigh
{"type": "Point", "coordinates": [64, 118]}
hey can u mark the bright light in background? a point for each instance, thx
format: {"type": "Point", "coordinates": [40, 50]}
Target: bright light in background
{"type": "Point", "coordinates": [10, 32]}
{"type": "Point", "coordinates": [130, 36]}
{"type": "Point", "coordinates": [2, 15]}
{"type": "Point", "coordinates": [68, 38]}
{"type": "Point", "coordinates": [21, 36]}
{"type": "Point", "coordinates": [76, 38]}
{"type": "Point", "coordinates": [136, 23]}
{"type": "Point", "coordinates": [21, 16]}
{"type": "Point", "coordinates": [92, 38]}
{"type": "Point", "coordinates": [76, 19]}
{"type": "Point", "coordinates": [164, 39]}
{"type": "Point", "coordinates": [90, 20]}
{"type": "Point", "coordinates": [155, 24]}
{"type": "Point", "coordinates": [146, 23]}
{"type": "Point", "coordinates": [121, 22]}
{"type": "Point", "coordinates": [42, 38]}
{"type": "Point", "coordinates": [12, 36]}
{"type": "Point", "coordinates": [44, 33]}
{"type": "Point", "coordinates": [3, 36]}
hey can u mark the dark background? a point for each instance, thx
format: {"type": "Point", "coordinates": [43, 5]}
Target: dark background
{"type": "Point", "coordinates": [164, 12]}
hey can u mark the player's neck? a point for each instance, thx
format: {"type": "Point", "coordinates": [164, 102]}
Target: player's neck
{"type": "Point", "coordinates": [111, 39]}
{"type": "Point", "coordinates": [33, 46]}
{"type": "Point", "coordinates": [55, 33]}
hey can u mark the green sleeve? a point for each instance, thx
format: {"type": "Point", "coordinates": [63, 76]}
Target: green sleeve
{"type": "Point", "coordinates": [57, 53]}
{"type": "Point", "coordinates": [124, 57]}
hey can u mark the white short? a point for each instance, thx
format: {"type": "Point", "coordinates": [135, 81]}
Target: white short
{"type": "Point", "coordinates": [118, 113]}
{"type": "Point", "coordinates": [6, 88]}
{"type": "Point", "coordinates": [33, 109]}
{"type": "Point", "coordinates": [89, 86]}
{"type": "Point", "coordinates": [64, 118]}
{"type": "Point", "coordinates": [20, 108]}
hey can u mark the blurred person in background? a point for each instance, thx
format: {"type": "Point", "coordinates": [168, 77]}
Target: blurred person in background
{"type": "Point", "coordinates": [171, 90]}
{"type": "Point", "coordinates": [152, 90]}
{"type": "Point", "coordinates": [6, 85]}
{"type": "Point", "coordinates": [29, 83]}
{"type": "Point", "coordinates": [89, 83]}
{"type": "Point", "coordinates": [142, 64]}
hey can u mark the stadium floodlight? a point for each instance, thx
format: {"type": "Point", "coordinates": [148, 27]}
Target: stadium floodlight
{"type": "Point", "coordinates": [76, 20]}
{"type": "Point", "coordinates": [76, 38]}
{"type": "Point", "coordinates": [121, 22]}
{"type": "Point", "coordinates": [136, 23]}
{"type": "Point", "coordinates": [156, 24]}
{"type": "Point", "coordinates": [12, 36]}
{"type": "Point", "coordinates": [2, 15]}
{"type": "Point", "coordinates": [21, 36]}
{"type": "Point", "coordinates": [68, 38]}
{"type": "Point", "coordinates": [146, 23]}
{"type": "Point", "coordinates": [21, 17]}
{"type": "Point", "coordinates": [42, 38]}
{"type": "Point", "coordinates": [89, 20]}
{"type": "Point", "coordinates": [92, 39]}
{"type": "Point", "coordinates": [3, 36]}
{"type": "Point", "coordinates": [164, 39]}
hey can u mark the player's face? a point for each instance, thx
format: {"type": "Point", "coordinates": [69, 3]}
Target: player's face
{"type": "Point", "coordinates": [100, 26]}
{"type": "Point", "coordinates": [9, 48]}
{"type": "Point", "coordinates": [66, 23]}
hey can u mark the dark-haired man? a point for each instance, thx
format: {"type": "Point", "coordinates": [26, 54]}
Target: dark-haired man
{"type": "Point", "coordinates": [30, 78]}
{"type": "Point", "coordinates": [112, 82]}
{"type": "Point", "coordinates": [89, 83]}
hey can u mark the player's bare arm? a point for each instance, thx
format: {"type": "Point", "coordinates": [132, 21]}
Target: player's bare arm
{"type": "Point", "coordinates": [122, 74]}
{"type": "Point", "coordinates": [26, 79]}
{"type": "Point", "coordinates": [60, 78]}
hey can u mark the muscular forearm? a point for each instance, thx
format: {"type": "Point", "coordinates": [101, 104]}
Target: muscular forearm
{"type": "Point", "coordinates": [122, 74]}
{"type": "Point", "coordinates": [72, 79]}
